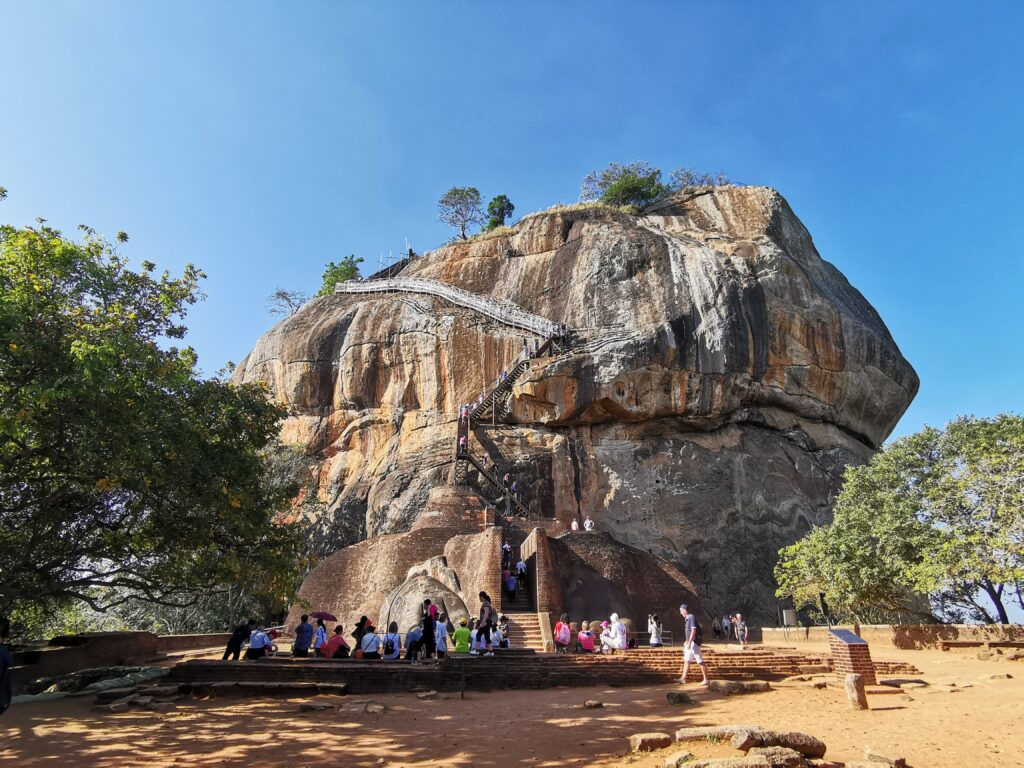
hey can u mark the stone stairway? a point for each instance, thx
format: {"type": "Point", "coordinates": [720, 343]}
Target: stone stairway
{"type": "Point", "coordinates": [524, 630]}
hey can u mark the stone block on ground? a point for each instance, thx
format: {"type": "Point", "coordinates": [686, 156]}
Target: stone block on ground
{"type": "Point", "coordinates": [855, 692]}
{"type": "Point", "coordinates": [648, 742]}
{"type": "Point", "coordinates": [796, 679]}
{"type": "Point", "coordinates": [814, 669]}
{"type": "Point", "coordinates": [375, 708]}
{"type": "Point", "coordinates": [733, 687]}
{"type": "Point", "coordinates": [997, 676]}
{"type": "Point", "coordinates": [804, 743]}
{"type": "Point", "coordinates": [873, 755]}
{"type": "Point", "coordinates": [158, 690]}
{"type": "Point", "coordinates": [160, 706]}
{"type": "Point", "coordinates": [779, 757]}
{"type": "Point", "coordinates": [819, 684]}
{"type": "Point", "coordinates": [316, 704]}
{"type": "Point", "coordinates": [678, 759]}
{"type": "Point", "coordinates": [427, 695]}
{"type": "Point", "coordinates": [712, 732]}
{"type": "Point", "coordinates": [593, 704]}
{"type": "Point", "coordinates": [678, 698]}
{"type": "Point", "coordinates": [111, 694]}
{"type": "Point", "coordinates": [900, 682]}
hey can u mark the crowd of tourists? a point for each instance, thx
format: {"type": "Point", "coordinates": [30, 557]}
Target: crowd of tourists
{"type": "Point", "coordinates": [731, 627]}
{"type": "Point", "coordinates": [431, 639]}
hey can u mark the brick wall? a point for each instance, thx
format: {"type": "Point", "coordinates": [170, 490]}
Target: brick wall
{"type": "Point", "coordinates": [903, 636]}
{"type": "Point", "coordinates": [852, 658]}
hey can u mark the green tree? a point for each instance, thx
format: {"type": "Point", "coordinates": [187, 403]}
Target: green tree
{"type": "Point", "coordinates": [460, 207]}
{"type": "Point", "coordinates": [124, 475]}
{"type": "Point", "coordinates": [499, 209]}
{"type": "Point", "coordinates": [938, 513]}
{"type": "Point", "coordinates": [346, 269]}
{"type": "Point", "coordinates": [636, 183]}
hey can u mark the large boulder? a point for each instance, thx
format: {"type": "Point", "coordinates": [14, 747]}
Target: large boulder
{"type": "Point", "coordinates": [720, 377]}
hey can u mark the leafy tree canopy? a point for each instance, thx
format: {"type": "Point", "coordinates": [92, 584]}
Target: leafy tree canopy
{"type": "Point", "coordinates": [460, 207]}
{"type": "Point", "coordinates": [639, 183]}
{"type": "Point", "coordinates": [939, 513]}
{"type": "Point", "coordinates": [346, 269]}
{"type": "Point", "coordinates": [499, 209]}
{"type": "Point", "coordinates": [123, 474]}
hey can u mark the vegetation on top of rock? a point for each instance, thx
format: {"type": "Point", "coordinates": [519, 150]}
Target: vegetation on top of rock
{"type": "Point", "coordinates": [285, 302]}
{"type": "Point", "coordinates": [639, 183]}
{"type": "Point", "coordinates": [460, 207]}
{"type": "Point", "coordinates": [499, 209]}
{"type": "Point", "coordinates": [938, 513]}
{"type": "Point", "coordinates": [344, 270]}
{"type": "Point", "coordinates": [123, 474]}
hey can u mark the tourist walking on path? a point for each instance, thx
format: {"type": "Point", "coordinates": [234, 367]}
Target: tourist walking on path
{"type": "Point", "coordinates": [691, 645]}
{"type": "Point", "coordinates": [563, 634]}
{"type": "Point", "coordinates": [575, 525]}
{"type": "Point", "coordinates": [727, 626]}
{"type": "Point", "coordinates": [741, 630]}
{"type": "Point", "coordinates": [6, 665]}
{"type": "Point", "coordinates": [337, 648]}
{"type": "Point", "coordinates": [303, 637]}
{"type": "Point", "coordinates": [484, 625]}
{"type": "Point", "coordinates": [654, 628]}
{"type": "Point", "coordinates": [716, 627]}
{"type": "Point", "coordinates": [239, 636]}
{"type": "Point", "coordinates": [588, 524]}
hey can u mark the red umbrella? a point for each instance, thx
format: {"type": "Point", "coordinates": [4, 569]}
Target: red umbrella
{"type": "Point", "coordinates": [324, 615]}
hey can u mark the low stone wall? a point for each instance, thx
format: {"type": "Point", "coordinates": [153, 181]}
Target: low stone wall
{"type": "Point", "coordinates": [75, 652]}
{"type": "Point", "coordinates": [902, 636]}
{"type": "Point", "coordinates": [172, 643]}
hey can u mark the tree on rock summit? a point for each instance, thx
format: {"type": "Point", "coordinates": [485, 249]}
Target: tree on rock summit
{"type": "Point", "coordinates": [460, 207]}
{"type": "Point", "coordinates": [499, 209]}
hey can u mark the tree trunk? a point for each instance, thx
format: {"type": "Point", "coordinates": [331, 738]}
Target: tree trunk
{"type": "Point", "coordinates": [996, 594]}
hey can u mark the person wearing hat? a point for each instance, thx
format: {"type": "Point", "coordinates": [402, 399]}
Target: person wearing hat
{"type": "Point", "coordinates": [370, 644]}
{"type": "Point", "coordinates": [691, 644]}
{"type": "Point", "coordinates": [461, 636]}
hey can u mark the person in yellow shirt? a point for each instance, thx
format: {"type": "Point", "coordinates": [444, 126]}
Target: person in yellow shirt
{"type": "Point", "coordinates": [461, 636]}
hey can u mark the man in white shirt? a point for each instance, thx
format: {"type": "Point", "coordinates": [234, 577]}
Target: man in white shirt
{"type": "Point", "coordinates": [588, 524]}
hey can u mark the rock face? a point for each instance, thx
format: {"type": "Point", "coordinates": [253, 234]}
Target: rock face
{"type": "Point", "coordinates": [720, 377]}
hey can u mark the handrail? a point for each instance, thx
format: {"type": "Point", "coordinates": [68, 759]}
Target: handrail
{"type": "Point", "coordinates": [503, 311]}
{"type": "Point", "coordinates": [523, 509]}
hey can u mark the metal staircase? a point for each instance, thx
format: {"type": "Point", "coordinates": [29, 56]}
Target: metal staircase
{"type": "Point", "coordinates": [504, 312]}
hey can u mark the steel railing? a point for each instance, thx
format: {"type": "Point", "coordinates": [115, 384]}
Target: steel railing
{"type": "Point", "coordinates": [504, 312]}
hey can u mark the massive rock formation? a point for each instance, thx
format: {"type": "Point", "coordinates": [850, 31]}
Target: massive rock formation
{"type": "Point", "coordinates": [720, 377]}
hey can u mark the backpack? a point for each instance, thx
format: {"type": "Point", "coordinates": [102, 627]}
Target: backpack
{"type": "Point", "coordinates": [564, 635]}
{"type": "Point", "coordinates": [699, 637]}
{"type": "Point", "coordinates": [389, 646]}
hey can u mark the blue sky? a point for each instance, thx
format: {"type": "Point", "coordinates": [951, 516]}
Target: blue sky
{"type": "Point", "coordinates": [260, 140]}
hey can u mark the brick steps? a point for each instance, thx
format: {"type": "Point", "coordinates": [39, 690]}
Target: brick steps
{"type": "Point", "coordinates": [524, 631]}
{"type": "Point", "coordinates": [515, 668]}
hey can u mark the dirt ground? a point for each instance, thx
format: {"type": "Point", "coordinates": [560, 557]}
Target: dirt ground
{"type": "Point", "coordinates": [979, 722]}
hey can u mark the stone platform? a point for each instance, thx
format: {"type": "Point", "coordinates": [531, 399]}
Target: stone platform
{"type": "Point", "coordinates": [520, 669]}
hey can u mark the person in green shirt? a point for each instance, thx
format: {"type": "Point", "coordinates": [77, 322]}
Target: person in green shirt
{"type": "Point", "coordinates": [461, 637]}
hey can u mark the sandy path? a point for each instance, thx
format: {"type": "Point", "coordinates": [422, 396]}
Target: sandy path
{"type": "Point", "coordinates": [980, 725]}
